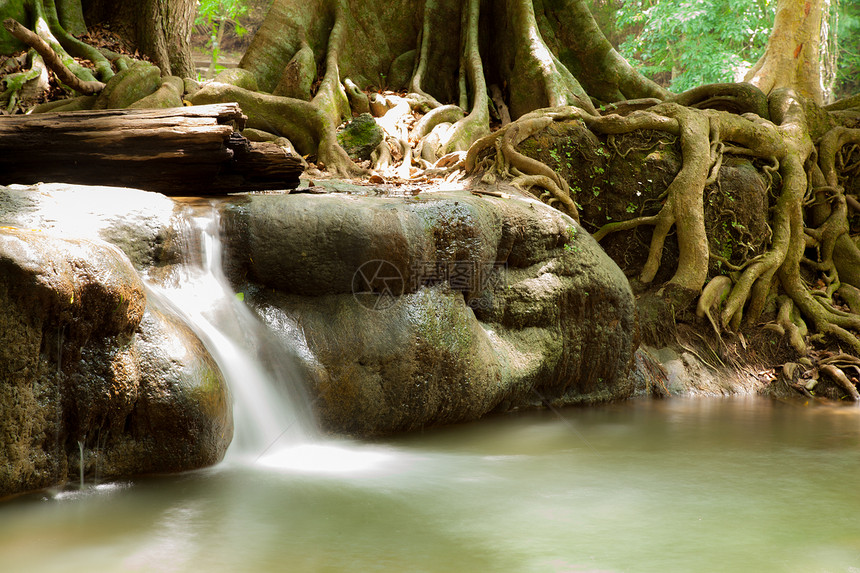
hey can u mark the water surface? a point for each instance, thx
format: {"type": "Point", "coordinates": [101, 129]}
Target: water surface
{"type": "Point", "coordinates": [678, 485]}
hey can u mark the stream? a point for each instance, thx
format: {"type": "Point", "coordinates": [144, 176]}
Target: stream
{"type": "Point", "coordinates": [704, 484]}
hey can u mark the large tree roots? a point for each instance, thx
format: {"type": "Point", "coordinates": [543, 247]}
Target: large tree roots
{"type": "Point", "coordinates": [798, 286]}
{"type": "Point", "coordinates": [796, 278]}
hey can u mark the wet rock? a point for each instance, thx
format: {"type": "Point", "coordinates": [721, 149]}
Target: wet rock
{"type": "Point", "coordinates": [360, 137]}
{"type": "Point", "coordinates": [413, 312]}
{"type": "Point", "coordinates": [140, 223]}
{"type": "Point", "coordinates": [88, 364]}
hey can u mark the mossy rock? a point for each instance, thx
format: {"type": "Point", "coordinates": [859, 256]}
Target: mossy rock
{"type": "Point", "coordinates": [468, 305]}
{"type": "Point", "coordinates": [129, 86]}
{"type": "Point", "coordinates": [360, 137]}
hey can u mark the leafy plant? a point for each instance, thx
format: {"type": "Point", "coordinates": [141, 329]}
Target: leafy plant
{"type": "Point", "coordinates": [568, 245]}
{"type": "Point", "coordinates": [848, 64]}
{"type": "Point", "coordinates": [695, 42]}
{"type": "Point", "coordinates": [216, 15]}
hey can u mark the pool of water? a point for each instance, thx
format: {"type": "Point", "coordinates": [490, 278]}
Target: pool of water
{"type": "Point", "coordinates": [676, 485]}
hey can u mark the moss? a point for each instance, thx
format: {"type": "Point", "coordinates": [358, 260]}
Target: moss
{"type": "Point", "coordinates": [239, 78]}
{"type": "Point", "coordinates": [11, 9]}
{"type": "Point", "coordinates": [129, 86]}
{"type": "Point", "coordinates": [360, 137]}
{"type": "Point", "coordinates": [444, 328]}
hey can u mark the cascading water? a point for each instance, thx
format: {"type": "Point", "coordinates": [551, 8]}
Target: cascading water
{"type": "Point", "coordinates": [271, 413]}
{"type": "Point", "coordinates": [259, 370]}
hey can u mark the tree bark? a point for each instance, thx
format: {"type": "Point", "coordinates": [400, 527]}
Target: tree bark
{"type": "Point", "coordinates": [160, 29]}
{"type": "Point", "coordinates": [792, 57]}
{"type": "Point", "coordinates": [177, 151]}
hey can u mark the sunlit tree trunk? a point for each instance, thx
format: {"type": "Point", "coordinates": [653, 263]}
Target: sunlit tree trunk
{"type": "Point", "coordinates": [792, 58]}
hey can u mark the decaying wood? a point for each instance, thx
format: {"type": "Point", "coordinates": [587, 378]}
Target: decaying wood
{"type": "Point", "coordinates": [193, 150]}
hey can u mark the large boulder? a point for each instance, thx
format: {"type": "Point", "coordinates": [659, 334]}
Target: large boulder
{"type": "Point", "coordinates": [141, 223]}
{"type": "Point", "coordinates": [415, 311]}
{"type": "Point", "coordinates": [93, 376]}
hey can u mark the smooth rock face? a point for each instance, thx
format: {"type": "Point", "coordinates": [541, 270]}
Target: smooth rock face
{"type": "Point", "coordinates": [140, 223]}
{"type": "Point", "coordinates": [86, 361]}
{"type": "Point", "coordinates": [411, 312]}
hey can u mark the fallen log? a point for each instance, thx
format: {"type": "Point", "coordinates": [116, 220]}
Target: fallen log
{"type": "Point", "coordinates": [192, 151]}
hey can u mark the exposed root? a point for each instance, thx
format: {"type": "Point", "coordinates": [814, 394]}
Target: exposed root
{"type": "Point", "coordinates": [785, 153]}
{"type": "Point", "coordinates": [475, 125]}
{"type": "Point", "coordinates": [424, 41]}
{"type": "Point", "coordinates": [792, 324]}
{"type": "Point", "coordinates": [443, 114]}
{"type": "Point", "coordinates": [714, 293]}
{"type": "Point", "coordinates": [74, 46]}
{"type": "Point", "coordinates": [303, 123]}
{"type": "Point", "coordinates": [626, 225]}
{"type": "Point", "coordinates": [842, 380]}
{"type": "Point", "coordinates": [526, 182]}
{"type": "Point", "coordinates": [358, 100]}
{"type": "Point", "coordinates": [26, 86]}
{"type": "Point", "coordinates": [52, 59]}
{"type": "Point", "coordinates": [525, 164]}
{"type": "Point", "coordinates": [738, 98]}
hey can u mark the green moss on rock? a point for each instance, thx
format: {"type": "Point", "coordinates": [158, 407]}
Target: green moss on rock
{"type": "Point", "coordinates": [360, 137]}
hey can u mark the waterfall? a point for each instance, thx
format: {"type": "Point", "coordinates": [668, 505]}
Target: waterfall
{"type": "Point", "coordinates": [260, 371]}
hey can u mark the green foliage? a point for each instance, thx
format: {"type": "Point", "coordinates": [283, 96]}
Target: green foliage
{"type": "Point", "coordinates": [215, 15]}
{"type": "Point", "coordinates": [211, 12]}
{"type": "Point", "coordinates": [695, 42]}
{"type": "Point", "coordinates": [14, 83]}
{"type": "Point", "coordinates": [848, 70]}
{"type": "Point", "coordinates": [569, 246]}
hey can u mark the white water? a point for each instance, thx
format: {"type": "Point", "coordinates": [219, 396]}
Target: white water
{"type": "Point", "coordinates": [260, 372]}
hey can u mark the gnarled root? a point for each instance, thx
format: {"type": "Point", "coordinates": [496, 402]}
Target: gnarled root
{"type": "Point", "coordinates": [528, 172]}
{"type": "Point", "coordinates": [302, 122]}
{"type": "Point", "coordinates": [714, 293]}
{"type": "Point", "coordinates": [52, 59]}
{"type": "Point", "coordinates": [842, 380]}
{"type": "Point", "coordinates": [526, 182]}
{"type": "Point", "coordinates": [707, 136]}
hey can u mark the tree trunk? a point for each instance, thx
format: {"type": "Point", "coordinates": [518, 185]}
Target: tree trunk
{"type": "Point", "coordinates": [160, 29]}
{"type": "Point", "coordinates": [792, 57]}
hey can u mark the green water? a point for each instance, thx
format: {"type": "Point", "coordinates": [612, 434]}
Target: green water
{"type": "Point", "coordinates": [680, 485]}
